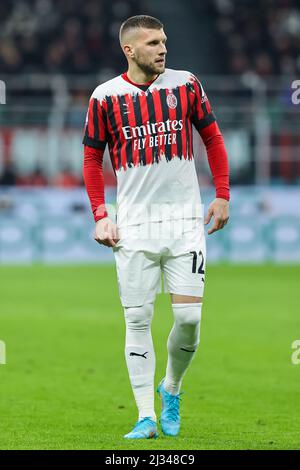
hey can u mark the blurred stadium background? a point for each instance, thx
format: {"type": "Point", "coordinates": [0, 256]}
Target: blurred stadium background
{"type": "Point", "coordinates": [52, 56]}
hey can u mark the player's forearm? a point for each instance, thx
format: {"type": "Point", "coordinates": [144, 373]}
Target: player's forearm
{"type": "Point", "coordinates": [217, 159]}
{"type": "Point", "coordinates": [94, 180]}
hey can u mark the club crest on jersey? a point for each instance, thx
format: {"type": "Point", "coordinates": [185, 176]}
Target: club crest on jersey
{"type": "Point", "coordinates": [171, 101]}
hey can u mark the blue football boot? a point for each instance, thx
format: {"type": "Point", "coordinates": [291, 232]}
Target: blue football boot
{"type": "Point", "coordinates": [145, 428]}
{"type": "Point", "coordinates": [170, 418]}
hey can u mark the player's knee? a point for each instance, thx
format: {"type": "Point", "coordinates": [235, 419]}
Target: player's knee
{"type": "Point", "coordinates": [187, 315]}
{"type": "Point", "coordinates": [139, 318]}
{"type": "Point", "coordinates": [191, 321]}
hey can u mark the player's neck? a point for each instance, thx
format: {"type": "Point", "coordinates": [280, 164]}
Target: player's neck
{"type": "Point", "coordinates": [139, 77]}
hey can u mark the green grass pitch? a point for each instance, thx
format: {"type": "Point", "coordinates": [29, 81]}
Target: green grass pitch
{"type": "Point", "coordinates": [65, 383]}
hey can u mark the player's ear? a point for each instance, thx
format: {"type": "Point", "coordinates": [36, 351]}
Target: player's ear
{"type": "Point", "coordinates": [128, 51]}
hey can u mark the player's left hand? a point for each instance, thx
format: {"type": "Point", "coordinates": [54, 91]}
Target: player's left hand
{"type": "Point", "coordinates": [219, 209]}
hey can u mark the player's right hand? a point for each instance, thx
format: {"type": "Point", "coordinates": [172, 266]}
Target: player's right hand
{"type": "Point", "coordinates": [106, 232]}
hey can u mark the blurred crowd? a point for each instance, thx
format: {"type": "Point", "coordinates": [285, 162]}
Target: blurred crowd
{"type": "Point", "coordinates": [67, 36]}
{"type": "Point", "coordinates": [75, 37]}
{"type": "Point", "coordinates": [66, 177]}
{"type": "Point", "coordinates": [261, 36]}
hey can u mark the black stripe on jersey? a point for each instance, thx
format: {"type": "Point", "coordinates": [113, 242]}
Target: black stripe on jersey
{"type": "Point", "coordinates": [125, 122]}
{"type": "Point", "coordinates": [96, 144]}
{"type": "Point", "coordinates": [179, 117]}
{"type": "Point", "coordinates": [95, 120]}
{"type": "Point", "coordinates": [86, 134]}
{"type": "Point", "coordinates": [165, 113]}
{"type": "Point", "coordinates": [104, 118]}
{"type": "Point", "coordinates": [152, 119]}
{"type": "Point", "coordinates": [188, 112]}
{"type": "Point", "coordinates": [206, 121]}
{"type": "Point", "coordinates": [111, 117]}
{"type": "Point", "coordinates": [139, 122]}
{"type": "Point", "coordinates": [203, 105]}
{"type": "Point", "coordinates": [93, 141]}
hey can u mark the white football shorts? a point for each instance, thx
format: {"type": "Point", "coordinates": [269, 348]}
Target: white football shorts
{"type": "Point", "coordinates": [173, 248]}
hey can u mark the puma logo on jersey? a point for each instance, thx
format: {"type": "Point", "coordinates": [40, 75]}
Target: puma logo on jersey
{"type": "Point", "coordinates": [126, 110]}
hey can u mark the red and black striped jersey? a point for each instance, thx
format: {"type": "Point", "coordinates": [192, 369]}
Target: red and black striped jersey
{"type": "Point", "coordinates": [148, 130]}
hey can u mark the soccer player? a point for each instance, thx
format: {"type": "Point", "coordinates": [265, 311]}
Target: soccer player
{"type": "Point", "coordinates": [146, 116]}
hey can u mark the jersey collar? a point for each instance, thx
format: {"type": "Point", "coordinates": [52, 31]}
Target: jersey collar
{"type": "Point", "coordinates": [141, 86]}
